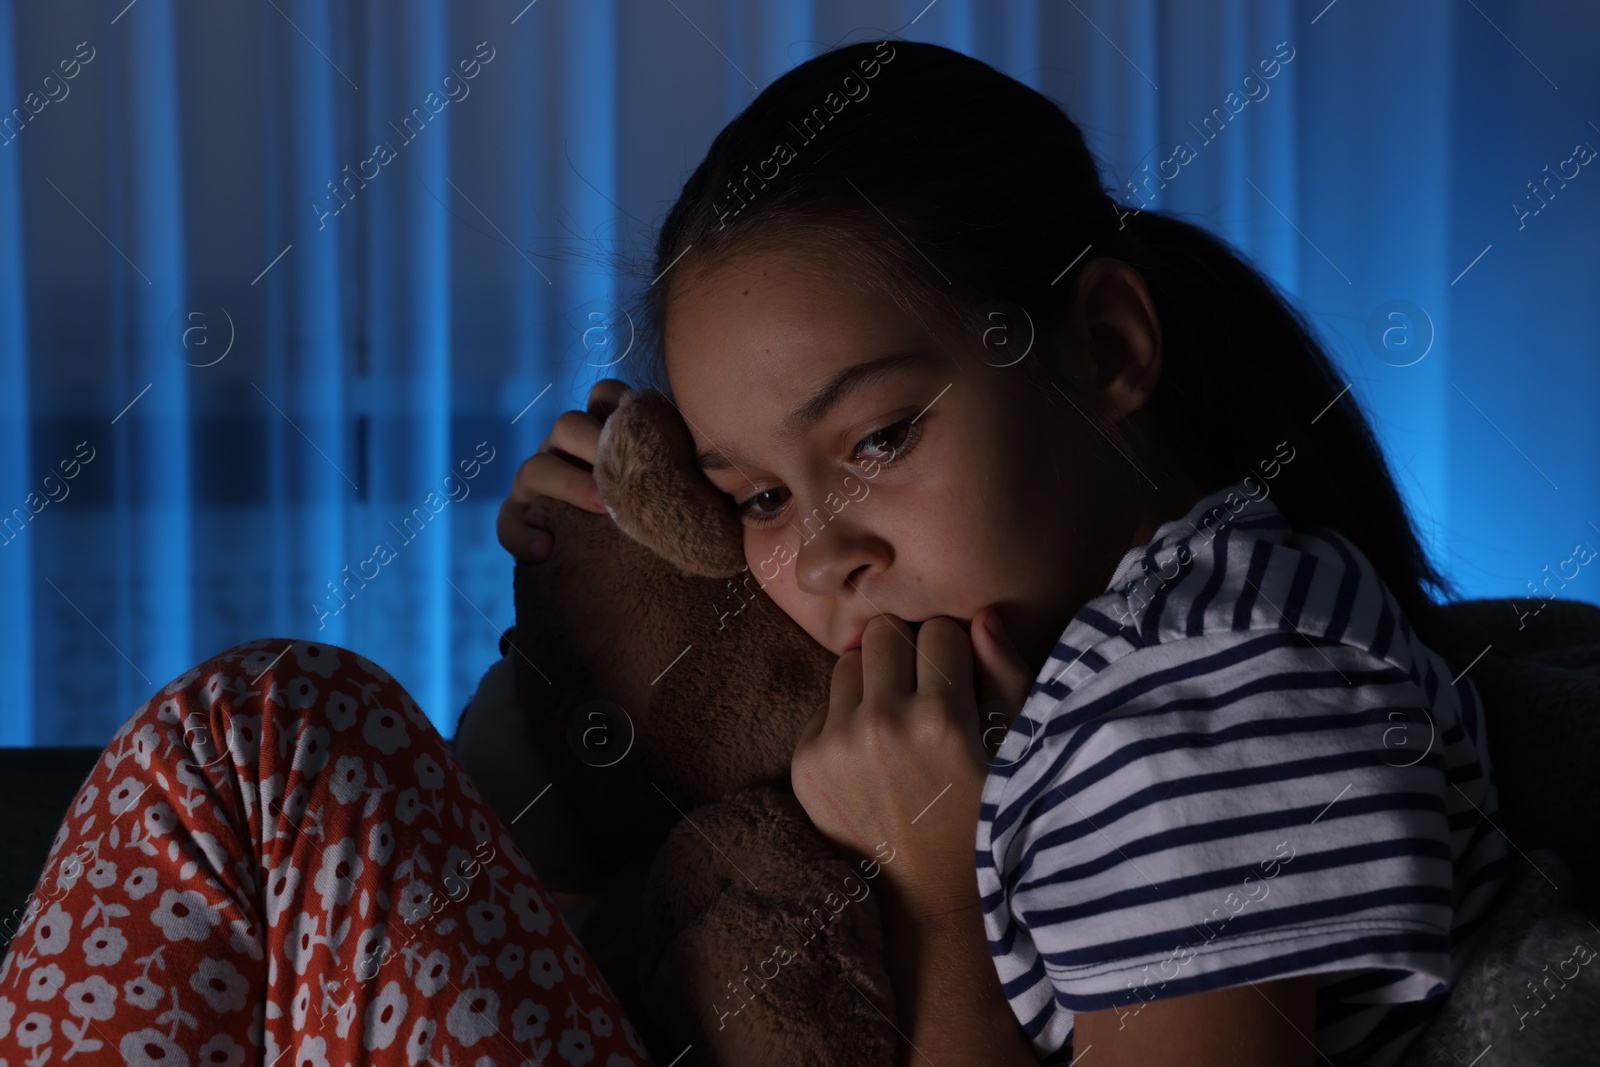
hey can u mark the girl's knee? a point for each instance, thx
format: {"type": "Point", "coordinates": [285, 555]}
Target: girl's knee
{"type": "Point", "coordinates": [310, 697]}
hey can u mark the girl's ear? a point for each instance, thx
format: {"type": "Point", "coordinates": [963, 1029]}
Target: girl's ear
{"type": "Point", "coordinates": [1117, 334]}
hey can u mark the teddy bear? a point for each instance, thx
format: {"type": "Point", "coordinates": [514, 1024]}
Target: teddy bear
{"type": "Point", "coordinates": [665, 694]}
{"type": "Point", "coordinates": [661, 696]}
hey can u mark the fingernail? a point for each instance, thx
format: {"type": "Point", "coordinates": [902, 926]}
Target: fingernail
{"type": "Point", "coordinates": [597, 503]}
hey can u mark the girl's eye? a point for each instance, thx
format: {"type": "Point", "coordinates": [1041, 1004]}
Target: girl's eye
{"type": "Point", "coordinates": [906, 430]}
{"type": "Point", "coordinates": [760, 518]}
{"type": "Point", "coordinates": [892, 442]}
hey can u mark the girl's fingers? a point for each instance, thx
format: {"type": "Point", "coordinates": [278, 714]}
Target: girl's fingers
{"type": "Point", "coordinates": [888, 662]}
{"type": "Point", "coordinates": [944, 658]}
{"type": "Point", "coordinates": [1003, 676]}
{"type": "Point", "coordinates": [524, 541]}
{"type": "Point", "coordinates": [577, 433]}
{"type": "Point", "coordinates": [844, 694]}
{"type": "Point", "coordinates": [605, 395]}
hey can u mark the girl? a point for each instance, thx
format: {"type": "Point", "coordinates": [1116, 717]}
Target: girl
{"type": "Point", "coordinates": [1127, 606]}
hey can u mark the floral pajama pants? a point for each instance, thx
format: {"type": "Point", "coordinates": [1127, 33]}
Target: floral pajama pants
{"type": "Point", "coordinates": [277, 853]}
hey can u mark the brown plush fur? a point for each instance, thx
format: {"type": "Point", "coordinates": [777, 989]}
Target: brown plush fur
{"type": "Point", "coordinates": [666, 692]}
{"type": "Point", "coordinates": [663, 653]}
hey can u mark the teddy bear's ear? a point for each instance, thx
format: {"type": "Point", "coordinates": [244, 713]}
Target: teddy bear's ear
{"type": "Point", "coordinates": [647, 476]}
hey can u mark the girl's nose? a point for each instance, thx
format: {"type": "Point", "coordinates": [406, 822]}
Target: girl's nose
{"type": "Point", "coordinates": [840, 558]}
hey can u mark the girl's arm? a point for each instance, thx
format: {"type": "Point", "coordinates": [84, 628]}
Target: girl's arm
{"type": "Point", "coordinates": [1268, 1025]}
{"type": "Point", "coordinates": [949, 1001]}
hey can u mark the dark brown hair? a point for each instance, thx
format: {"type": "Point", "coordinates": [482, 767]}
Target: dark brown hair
{"type": "Point", "coordinates": [955, 190]}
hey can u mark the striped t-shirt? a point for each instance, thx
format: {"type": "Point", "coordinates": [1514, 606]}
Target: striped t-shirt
{"type": "Point", "coordinates": [1240, 764]}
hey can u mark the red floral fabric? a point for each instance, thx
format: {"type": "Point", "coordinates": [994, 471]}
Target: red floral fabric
{"type": "Point", "coordinates": [278, 853]}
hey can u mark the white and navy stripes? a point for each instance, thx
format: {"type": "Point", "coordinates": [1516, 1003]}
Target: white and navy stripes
{"type": "Point", "coordinates": [1240, 764]}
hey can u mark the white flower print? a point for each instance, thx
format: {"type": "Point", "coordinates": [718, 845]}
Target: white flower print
{"type": "Point", "coordinates": [145, 743]}
{"type": "Point", "coordinates": [184, 915]}
{"type": "Point", "coordinates": [372, 949]}
{"type": "Point", "coordinates": [62, 832]}
{"type": "Point", "coordinates": [141, 992]}
{"type": "Point", "coordinates": [300, 1009]}
{"type": "Point", "coordinates": [469, 789]}
{"type": "Point", "coordinates": [69, 870]}
{"type": "Point", "coordinates": [418, 1044]}
{"type": "Point", "coordinates": [474, 1015]}
{"type": "Point", "coordinates": [282, 881]}
{"type": "Point", "coordinates": [221, 984]}
{"type": "Point", "coordinates": [181, 681]}
{"type": "Point", "coordinates": [349, 775]}
{"type": "Point", "coordinates": [336, 879]}
{"type": "Point", "coordinates": [45, 982]}
{"type": "Point", "coordinates": [543, 968]}
{"type": "Point", "coordinates": [102, 874]}
{"type": "Point", "coordinates": [52, 931]}
{"type": "Point", "coordinates": [86, 800]}
{"type": "Point", "coordinates": [480, 827]}
{"type": "Point", "coordinates": [256, 663]}
{"type": "Point", "coordinates": [415, 901]}
{"type": "Point", "coordinates": [511, 960]}
{"type": "Point", "coordinates": [384, 1015]}
{"type": "Point", "coordinates": [34, 1030]}
{"type": "Point", "coordinates": [600, 1022]}
{"type": "Point", "coordinates": [141, 883]}
{"type": "Point", "coordinates": [93, 998]}
{"type": "Point", "coordinates": [488, 921]}
{"type": "Point", "coordinates": [528, 905]}
{"type": "Point", "coordinates": [271, 797]}
{"type": "Point", "coordinates": [125, 794]}
{"type": "Point", "coordinates": [429, 774]}
{"type": "Point", "coordinates": [311, 752]}
{"type": "Point", "coordinates": [220, 685]}
{"type": "Point", "coordinates": [385, 731]}
{"type": "Point", "coordinates": [151, 1048]}
{"type": "Point", "coordinates": [576, 1047]}
{"type": "Point", "coordinates": [574, 960]}
{"type": "Point", "coordinates": [433, 973]}
{"type": "Point", "coordinates": [380, 843]}
{"type": "Point", "coordinates": [340, 710]}
{"type": "Point", "coordinates": [295, 803]}
{"type": "Point", "coordinates": [528, 1021]}
{"type": "Point", "coordinates": [304, 941]}
{"type": "Point", "coordinates": [299, 693]}
{"type": "Point", "coordinates": [222, 1051]}
{"type": "Point", "coordinates": [408, 805]}
{"type": "Point", "coordinates": [244, 740]}
{"type": "Point", "coordinates": [320, 660]}
{"type": "Point", "coordinates": [212, 849]}
{"type": "Point", "coordinates": [159, 820]}
{"type": "Point", "coordinates": [312, 1051]}
{"type": "Point", "coordinates": [7, 1010]}
{"type": "Point", "coordinates": [104, 946]}
{"type": "Point", "coordinates": [414, 713]}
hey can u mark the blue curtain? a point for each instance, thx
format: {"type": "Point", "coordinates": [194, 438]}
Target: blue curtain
{"type": "Point", "coordinates": [289, 288]}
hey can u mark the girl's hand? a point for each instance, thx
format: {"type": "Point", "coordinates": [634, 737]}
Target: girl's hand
{"type": "Point", "coordinates": [562, 468]}
{"type": "Point", "coordinates": [892, 766]}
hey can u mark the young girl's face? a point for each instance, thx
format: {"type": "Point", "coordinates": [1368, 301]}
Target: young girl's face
{"type": "Point", "coordinates": [934, 484]}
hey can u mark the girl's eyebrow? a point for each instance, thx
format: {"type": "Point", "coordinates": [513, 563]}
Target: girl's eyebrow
{"type": "Point", "coordinates": [824, 400]}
